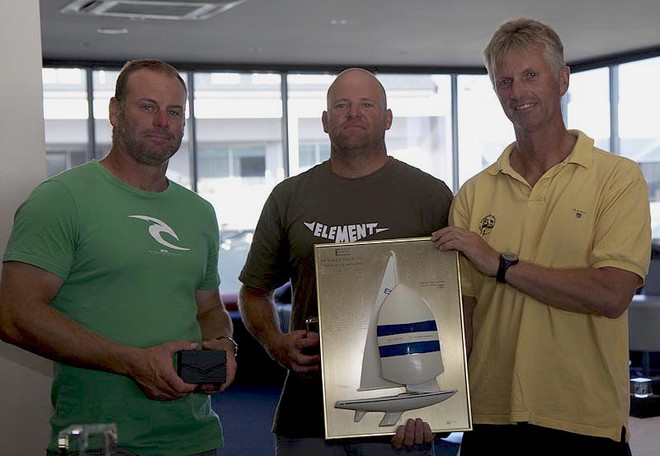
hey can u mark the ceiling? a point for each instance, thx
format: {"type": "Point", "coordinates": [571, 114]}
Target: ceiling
{"type": "Point", "coordinates": [336, 33]}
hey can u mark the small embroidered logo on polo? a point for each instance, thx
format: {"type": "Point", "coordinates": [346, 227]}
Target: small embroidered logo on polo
{"type": "Point", "coordinates": [578, 213]}
{"type": "Point", "coordinates": [157, 229]}
{"type": "Point", "coordinates": [487, 224]}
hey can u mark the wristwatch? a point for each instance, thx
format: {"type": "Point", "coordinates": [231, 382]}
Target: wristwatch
{"type": "Point", "coordinates": [507, 259]}
{"type": "Point", "coordinates": [233, 342]}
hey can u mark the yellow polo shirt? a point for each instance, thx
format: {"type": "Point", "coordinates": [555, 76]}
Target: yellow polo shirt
{"type": "Point", "coordinates": [532, 362]}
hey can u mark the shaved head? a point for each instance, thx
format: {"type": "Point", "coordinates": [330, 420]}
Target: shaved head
{"type": "Point", "coordinates": [349, 73]}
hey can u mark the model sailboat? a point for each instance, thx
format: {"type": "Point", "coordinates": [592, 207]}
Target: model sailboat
{"type": "Point", "coordinates": [402, 349]}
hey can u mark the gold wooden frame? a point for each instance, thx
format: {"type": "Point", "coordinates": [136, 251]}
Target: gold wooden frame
{"type": "Point", "coordinates": [369, 331]}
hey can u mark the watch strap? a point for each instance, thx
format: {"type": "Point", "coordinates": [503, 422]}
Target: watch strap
{"type": "Point", "coordinates": [505, 264]}
{"type": "Point", "coordinates": [233, 342]}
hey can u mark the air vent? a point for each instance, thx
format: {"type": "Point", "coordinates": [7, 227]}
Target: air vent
{"type": "Point", "coordinates": [150, 9]}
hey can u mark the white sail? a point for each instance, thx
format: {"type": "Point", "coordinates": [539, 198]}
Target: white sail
{"type": "Point", "coordinates": [402, 350]}
{"type": "Point", "coordinates": [408, 340]}
{"type": "Point", "coordinates": [371, 374]}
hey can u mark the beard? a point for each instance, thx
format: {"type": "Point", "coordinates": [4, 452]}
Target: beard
{"type": "Point", "coordinates": [346, 143]}
{"type": "Point", "coordinates": [144, 151]}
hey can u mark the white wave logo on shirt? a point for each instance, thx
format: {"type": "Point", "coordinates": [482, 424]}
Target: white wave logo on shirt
{"type": "Point", "coordinates": [344, 233]}
{"type": "Point", "coordinates": [157, 229]}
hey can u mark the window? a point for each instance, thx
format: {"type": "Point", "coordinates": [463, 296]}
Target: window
{"type": "Point", "coordinates": [421, 126]}
{"type": "Point", "coordinates": [61, 160]}
{"type": "Point", "coordinates": [103, 89]}
{"type": "Point", "coordinates": [483, 129]}
{"type": "Point", "coordinates": [239, 134]}
{"type": "Point", "coordinates": [308, 143]}
{"type": "Point", "coordinates": [311, 154]}
{"type": "Point", "coordinates": [212, 162]}
{"type": "Point", "coordinates": [235, 161]}
{"type": "Point", "coordinates": [588, 107]}
{"type": "Point", "coordinates": [639, 135]}
{"type": "Point", "coordinates": [251, 161]}
{"type": "Point", "coordinates": [240, 152]}
{"type": "Point", "coordinates": [65, 118]}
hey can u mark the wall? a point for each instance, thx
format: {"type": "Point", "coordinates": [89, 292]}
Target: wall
{"type": "Point", "coordinates": [25, 379]}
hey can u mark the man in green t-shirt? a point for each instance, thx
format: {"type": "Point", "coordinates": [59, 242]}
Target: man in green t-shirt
{"type": "Point", "coordinates": [111, 269]}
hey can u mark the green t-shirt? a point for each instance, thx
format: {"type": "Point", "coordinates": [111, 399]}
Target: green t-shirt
{"type": "Point", "coordinates": [131, 262]}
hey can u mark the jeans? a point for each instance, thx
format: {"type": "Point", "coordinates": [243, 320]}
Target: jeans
{"type": "Point", "coordinates": [285, 446]}
{"type": "Point", "coordinates": [525, 439]}
{"type": "Point", "coordinates": [123, 452]}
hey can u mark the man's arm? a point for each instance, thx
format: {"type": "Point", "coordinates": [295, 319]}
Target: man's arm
{"type": "Point", "coordinates": [259, 315]}
{"type": "Point", "coordinates": [28, 321]}
{"type": "Point", "coordinates": [469, 304]}
{"type": "Point", "coordinates": [602, 291]}
{"type": "Point", "coordinates": [215, 323]}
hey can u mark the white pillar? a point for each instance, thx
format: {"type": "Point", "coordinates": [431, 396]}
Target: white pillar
{"type": "Point", "coordinates": [24, 377]}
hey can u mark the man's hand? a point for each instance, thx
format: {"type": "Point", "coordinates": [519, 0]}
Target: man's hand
{"type": "Point", "coordinates": [296, 351]}
{"type": "Point", "coordinates": [414, 432]}
{"type": "Point", "coordinates": [228, 347]}
{"type": "Point", "coordinates": [287, 349]}
{"type": "Point", "coordinates": [471, 245]}
{"type": "Point", "coordinates": [153, 370]}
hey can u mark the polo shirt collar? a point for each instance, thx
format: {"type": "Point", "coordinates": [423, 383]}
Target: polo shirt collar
{"type": "Point", "coordinates": [582, 154]}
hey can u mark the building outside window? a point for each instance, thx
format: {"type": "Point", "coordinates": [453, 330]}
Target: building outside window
{"type": "Point", "coordinates": [639, 127]}
{"type": "Point", "coordinates": [309, 154]}
{"type": "Point", "coordinates": [249, 135]}
{"type": "Point", "coordinates": [421, 129]}
{"type": "Point", "coordinates": [483, 129]}
{"type": "Point", "coordinates": [239, 138]}
{"type": "Point", "coordinates": [65, 118]}
{"type": "Point", "coordinates": [588, 105]}
{"type": "Point", "coordinates": [308, 143]}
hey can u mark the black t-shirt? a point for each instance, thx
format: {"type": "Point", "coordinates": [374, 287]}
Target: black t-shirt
{"type": "Point", "coordinates": [397, 201]}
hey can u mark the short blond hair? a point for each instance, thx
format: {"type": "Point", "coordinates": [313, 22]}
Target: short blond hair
{"type": "Point", "coordinates": [522, 34]}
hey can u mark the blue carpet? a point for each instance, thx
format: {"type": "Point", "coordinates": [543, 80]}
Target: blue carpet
{"type": "Point", "coordinates": [246, 413]}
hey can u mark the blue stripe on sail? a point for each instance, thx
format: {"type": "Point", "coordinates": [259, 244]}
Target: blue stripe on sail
{"type": "Point", "coordinates": [409, 349]}
{"type": "Point", "coordinates": [418, 326]}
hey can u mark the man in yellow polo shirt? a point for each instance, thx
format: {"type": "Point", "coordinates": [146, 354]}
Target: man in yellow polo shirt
{"type": "Point", "coordinates": [557, 239]}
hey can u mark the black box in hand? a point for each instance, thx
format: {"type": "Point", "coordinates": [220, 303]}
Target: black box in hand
{"type": "Point", "coordinates": [202, 366]}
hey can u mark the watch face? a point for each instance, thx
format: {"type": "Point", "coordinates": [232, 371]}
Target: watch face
{"type": "Point", "coordinates": [508, 256]}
